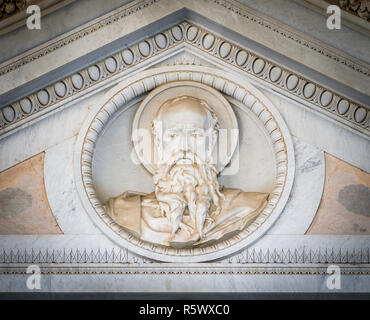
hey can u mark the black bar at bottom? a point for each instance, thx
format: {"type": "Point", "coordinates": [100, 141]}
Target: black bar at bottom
{"type": "Point", "coordinates": [185, 296]}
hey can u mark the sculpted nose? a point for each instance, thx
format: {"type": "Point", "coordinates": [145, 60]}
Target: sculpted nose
{"type": "Point", "coordinates": [184, 143]}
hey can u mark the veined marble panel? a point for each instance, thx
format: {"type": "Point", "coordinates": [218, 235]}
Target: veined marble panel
{"type": "Point", "coordinates": [345, 205]}
{"type": "Point", "coordinates": [322, 133]}
{"type": "Point", "coordinates": [306, 192]}
{"type": "Point", "coordinates": [61, 191]}
{"type": "Point", "coordinates": [24, 207]}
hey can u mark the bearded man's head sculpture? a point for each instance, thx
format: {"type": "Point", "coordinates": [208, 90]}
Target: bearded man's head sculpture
{"type": "Point", "coordinates": [185, 133]}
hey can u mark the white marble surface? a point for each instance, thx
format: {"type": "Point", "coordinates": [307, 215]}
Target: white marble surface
{"type": "Point", "coordinates": [306, 193]}
{"type": "Point", "coordinates": [286, 12]}
{"type": "Point", "coordinates": [61, 190]}
{"type": "Point", "coordinates": [45, 133]}
{"type": "Point", "coordinates": [185, 283]}
{"type": "Point", "coordinates": [321, 132]}
{"type": "Point", "coordinates": [54, 23]}
{"type": "Point", "coordinates": [85, 44]}
{"type": "Point", "coordinates": [56, 133]}
{"type": "Point", "coordinates": [313, 23]}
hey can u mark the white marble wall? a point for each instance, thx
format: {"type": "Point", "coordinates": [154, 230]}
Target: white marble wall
{"type": "Point", "coordinates": [185, 283]}
{"type": "Point", "coordinates": [56, 136]}
{"type": "Point", "coordinates": [61, 191]}
{"type": "Point", "coordinates": [306, 193]}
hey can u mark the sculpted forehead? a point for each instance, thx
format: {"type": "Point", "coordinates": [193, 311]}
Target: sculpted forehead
{"type": "Point", "coordinates": [185, 111]}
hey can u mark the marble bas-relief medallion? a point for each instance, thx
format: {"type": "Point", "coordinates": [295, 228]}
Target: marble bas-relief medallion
{"type": "Point", "coordinates": [184, 164]}
{"type": "Point", "coordinates": [188, 207]}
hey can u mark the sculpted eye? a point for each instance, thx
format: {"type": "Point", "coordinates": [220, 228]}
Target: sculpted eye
{"type": "Point", "coordinates": [196, 134]}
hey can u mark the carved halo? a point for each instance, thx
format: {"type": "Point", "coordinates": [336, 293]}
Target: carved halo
{"type": "Point", "coordinates": [150, 105]}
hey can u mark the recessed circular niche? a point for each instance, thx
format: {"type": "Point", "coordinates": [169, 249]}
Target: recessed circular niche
{"type": "Point", "coordinates": [104, 133]}
{"type": "Point", "coordinates": [258, 66]}
{"type": "Point", "coordinates": [43, 97]}
{"type": "Point", "coordinates": [94, 73]}
{"type": "Point", "coordinates": [144, 48]}
{"type": "Point", "coordinates": [292, 82]}
{"type": "Point", "coordinates": [343, 106]}
{"type": "Point", "coordinates": [208, 41]}
{"type": "Point", "coordinates": [360, 114]}
{"type": "Point", "coordinates": [275, 74]}
{"type": "Point", "coordinates": [326, 98]}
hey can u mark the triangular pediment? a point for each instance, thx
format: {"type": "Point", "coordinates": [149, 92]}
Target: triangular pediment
{"type": "Point", "coordinates": [110, 125]}
{"type": "Point", "coordinates": [184, 36]}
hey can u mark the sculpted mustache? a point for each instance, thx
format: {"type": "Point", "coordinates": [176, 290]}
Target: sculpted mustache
{"type": "Point", "coordinates": [180, 156]}
{"type": "Point", "coordinates": [164, 171]}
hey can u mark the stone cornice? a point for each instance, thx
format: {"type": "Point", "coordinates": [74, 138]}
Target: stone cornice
{"type": "Point", "coordinates": [359, 8]}
{"type": "Point", "coordinates": [347, 18]}
{"type": "Point", "coordinates": [19, 16]}
{"type": "Point", "coordinates": [296, 36]}
{"type": "Point", "coordinates": [13, 7]}
{"type": "Point", "coordinates": [333, 104]}
{"type": "Point", "coordinates": [51, 47]}
{"type": "Point", "coordinates": [290, 35]}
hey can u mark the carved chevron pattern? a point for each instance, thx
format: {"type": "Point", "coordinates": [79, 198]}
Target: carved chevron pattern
{"type": "Point", "coordinates": [293, 256]}
{"type": "Point", "coordinates": [323, 99]}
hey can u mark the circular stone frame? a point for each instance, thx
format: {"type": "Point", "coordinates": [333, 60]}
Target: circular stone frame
{"type": "Point", "coordinates": [227, 84]}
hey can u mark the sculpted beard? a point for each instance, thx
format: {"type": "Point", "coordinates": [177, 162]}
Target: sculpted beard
{"type": "Point", "coordinates": [187, 182]}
